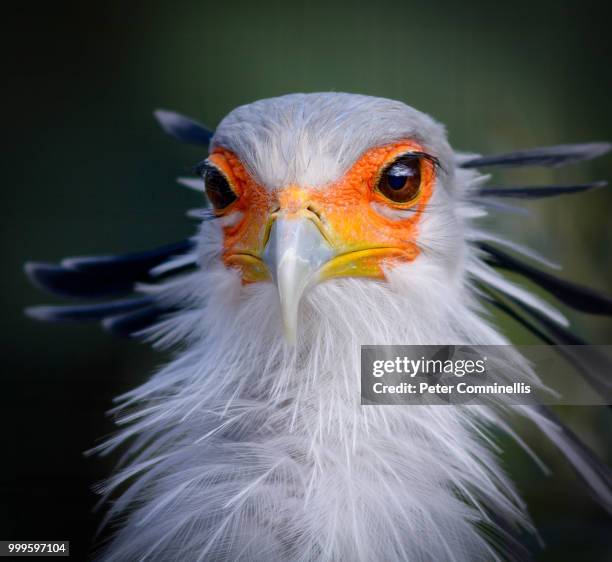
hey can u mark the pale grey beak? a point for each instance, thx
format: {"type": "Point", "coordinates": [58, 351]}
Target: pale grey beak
{"type": "Point", "coordinates": [295, 252]}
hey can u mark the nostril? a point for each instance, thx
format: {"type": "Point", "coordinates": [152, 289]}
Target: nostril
{"type": "Point", "coordinates": [314, 211]}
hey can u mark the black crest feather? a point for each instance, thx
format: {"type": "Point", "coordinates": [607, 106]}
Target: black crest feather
{"type": "Point", "coordinates": [549, 156]}
{"type": "Point", "coordinates": [183, 128]}
{"type": "Point", "coordinates": [572, 294]}
{"type": "Point", "coordinates": [538, 191]}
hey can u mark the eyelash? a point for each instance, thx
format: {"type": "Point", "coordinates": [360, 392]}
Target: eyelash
{"type": "Point", "coordinates": [200, 168]}
{"type": "Point", "coordinates": [418, 154]}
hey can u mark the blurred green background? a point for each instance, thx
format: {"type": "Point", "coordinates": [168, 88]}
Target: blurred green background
{"type": "Point", "coordinates": [87, 171]}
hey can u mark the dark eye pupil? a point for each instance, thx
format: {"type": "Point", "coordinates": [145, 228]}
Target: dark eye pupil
{"type": "Point", "coordinates": [396, 182]}
{"type": "Point", "coordinates": [218, 189]}
{"type": "Point", "coordinates": [401, 181]}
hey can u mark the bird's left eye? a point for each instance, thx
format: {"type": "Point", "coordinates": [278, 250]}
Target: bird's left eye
{"type": "Point", "coordinates": [218, 188]}
{"type": "Point", "coordinates": [401, 181]}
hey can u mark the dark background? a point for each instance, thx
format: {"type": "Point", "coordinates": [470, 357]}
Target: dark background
{"type": "Point", "coordinates": [87, 171]}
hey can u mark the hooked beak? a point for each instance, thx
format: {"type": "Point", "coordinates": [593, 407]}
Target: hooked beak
{"type": "Point", "coordinates": [295, 254]}
{"type": "Point", "coordinates": [298, 255]}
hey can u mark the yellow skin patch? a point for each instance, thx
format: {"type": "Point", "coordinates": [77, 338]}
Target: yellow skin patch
{"type": "Point", "coordinates": [364, 240]}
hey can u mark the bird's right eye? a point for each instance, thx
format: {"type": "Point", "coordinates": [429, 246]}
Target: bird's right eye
{"type": "Point", "coordinates": [218, 188]}
{"type": "Point", "coordinates": [401, 181]}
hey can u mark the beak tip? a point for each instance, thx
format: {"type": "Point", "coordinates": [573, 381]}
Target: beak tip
{"type": "Point", "coordinates": [290, 318]}
{"type": "Point", "coordinates": [290, 336]}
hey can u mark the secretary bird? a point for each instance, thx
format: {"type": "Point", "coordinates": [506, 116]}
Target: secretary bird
{"type": "Point", "coordinates": [334, 220]}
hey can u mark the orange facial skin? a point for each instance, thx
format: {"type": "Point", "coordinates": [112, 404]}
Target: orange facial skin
{"type": "Point", "coordinates": [363, 239]}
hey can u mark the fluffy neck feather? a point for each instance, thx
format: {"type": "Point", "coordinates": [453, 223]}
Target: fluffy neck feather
{"type": "Point", "coordinates": [247, 449]}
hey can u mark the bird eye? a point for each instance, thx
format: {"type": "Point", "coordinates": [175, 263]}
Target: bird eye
{"type": "Point", "coordinates": [401, 181]}
{"type": "Point", "coordinates": [218, 188]}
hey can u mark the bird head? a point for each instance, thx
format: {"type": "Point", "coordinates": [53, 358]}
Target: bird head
{"type": "Point", "coordinates": [314, 187]}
